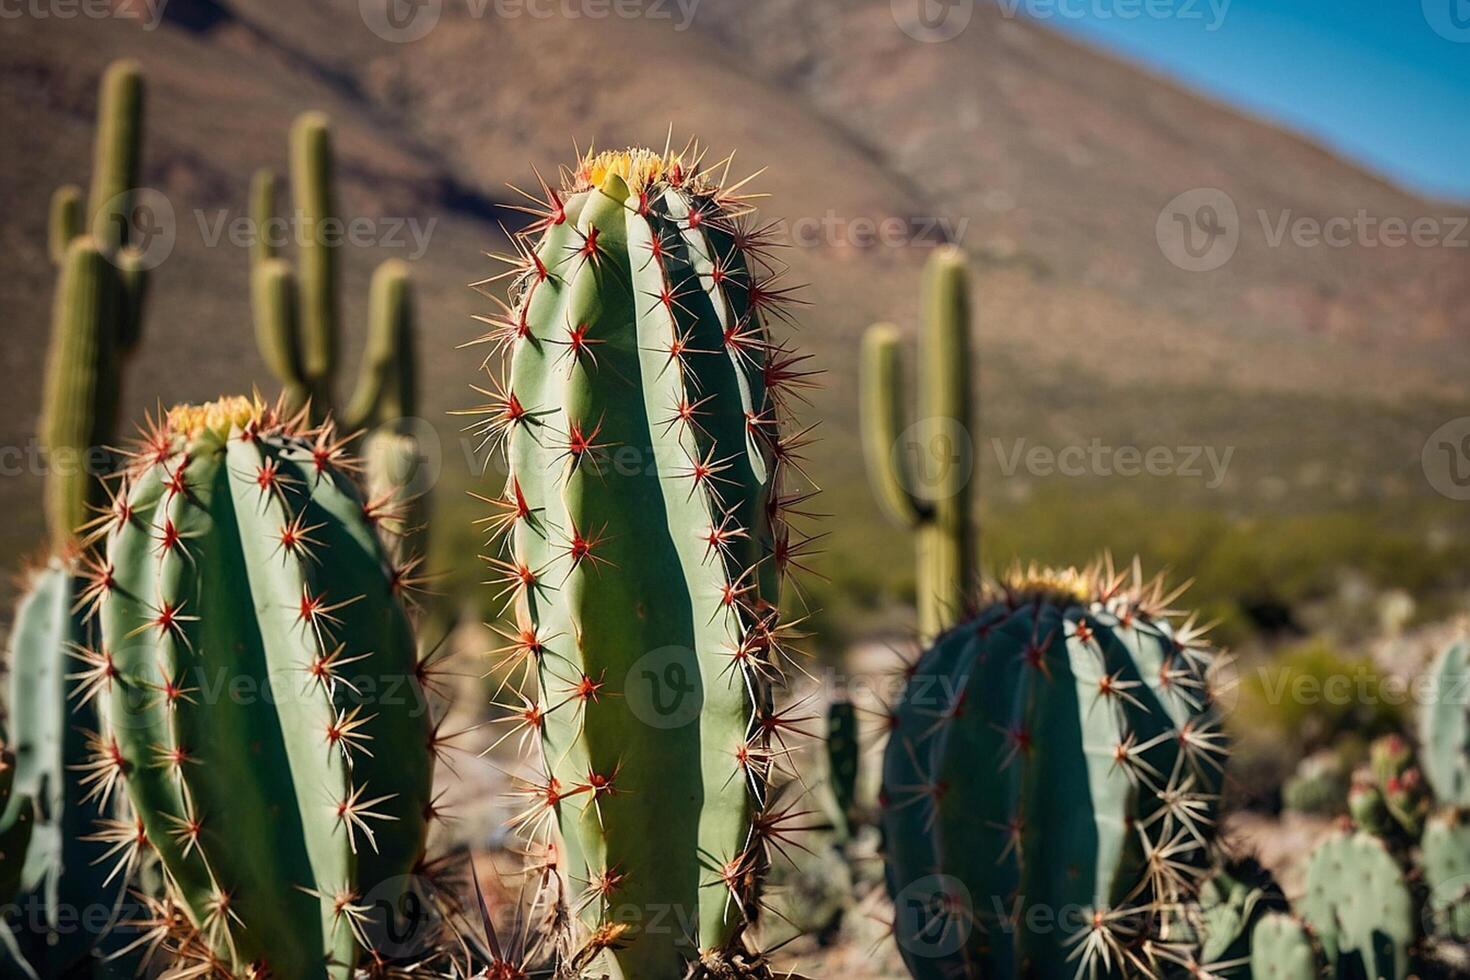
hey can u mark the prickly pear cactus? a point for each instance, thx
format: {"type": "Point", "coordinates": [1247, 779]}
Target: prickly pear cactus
{"type": "Point", "coordinates": [1055, 754]}
{"type": "Point", "coordinates": [1232, 903]}
{"type": "Point", "coordinates": [1360, 908]}
{"type": "Point", "coordinates": [1444, 726]}
{"type": "Point", "coordinates": [641, 544]}
{"type": "Point", "coordinates": [1444, 860]}
{"type": "Point", "coordinates": [265, 711]}
{"type": "Point", "coordinates": [1281, 949]}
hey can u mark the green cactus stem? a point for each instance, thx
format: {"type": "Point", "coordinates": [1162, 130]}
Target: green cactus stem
{"type": "Point", "coordinates": [65, 221]}
{"type": "Point", "coordinates": [923, 473]}
{"type": "Point", "coordinates": [61, 877]}
{"type": "Point", "coordinates": [641, 540]}
{"type": "Point", "coordinates": [1444, 860]}
{"type": "Point", "coordinates": [80, 389]}
{"type": "Point", "coordinates": [266, 707]}
{"type": "Point", "coordinates": [1444, 726]}
{"type": "Point", "coordinates": [843, 754]}
{"type": "Point", "coordinates": [1360, 908]}
{"type": "Point", "coordinates": [297, 314]}
{"type": "Point", "coordinates": [1055, 754]}
{"type": "Point", "coordinates": [1282, 949]}
{"type": "Point", "coordinates": [116, 155]}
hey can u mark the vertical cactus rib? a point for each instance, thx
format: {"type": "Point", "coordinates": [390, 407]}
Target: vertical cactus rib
{"type": "Point", "coordinates": [80, 388]}
{"type": "Point", "coordinates": [643, 551]}
{"type": "Point", "coordinates": [314, 200]}
{"type": "Point", "coordinates": [386, 385]}
{"type": "Point", "coordinates": [922, 473]}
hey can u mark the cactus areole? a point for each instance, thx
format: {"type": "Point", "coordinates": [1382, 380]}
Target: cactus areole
{"type": "Point", "coordinates": [640, 541]}
{"type": "Point", "coordinates": [264, 706]}
{"type": "Point", "coordinates": [1050, 782]}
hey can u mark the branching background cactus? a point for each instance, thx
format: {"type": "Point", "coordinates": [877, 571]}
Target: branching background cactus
{"type": "Point", "coordinates": [641, 541]}
{"type": "Point", "coordinates": [297, 312]}
{"type": "Point", "coordinates": [923, 474]}
{"type": "Point", "coordinates": [289, 804]}
{"type": "Point", "coordinates": [96, 324]}
{"type": "Point", "coordinates": [1057, 751]}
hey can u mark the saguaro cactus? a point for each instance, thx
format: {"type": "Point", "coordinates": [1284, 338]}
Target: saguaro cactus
{"type": "Point", "coordinates": [265, 710]}
{"type": "Point", "coordinates": [1056, 754]}
{"type": "Point", "coordinates": [923, 474]}
{"type": "Point", "coordinates": [297, 314]}
{"type": "Point", "coordinates": [644, 543]}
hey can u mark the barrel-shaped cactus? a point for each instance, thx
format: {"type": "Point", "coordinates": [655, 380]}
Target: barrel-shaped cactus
{"type": "Point", "coordinates": [924, 473]}
{"type": "Point", "coordinates": [264, 704]}
{"type": "Point", "coordinates": [1360, 907]}
{"type": "Point", "coordinates": [1050, 781]}
{"type": "Point", "coordinates": [642, 539]}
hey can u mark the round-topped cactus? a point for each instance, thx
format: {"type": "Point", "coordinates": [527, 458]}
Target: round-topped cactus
{"type": "Point", "coordinates": [640, 541]}
{"type": "Point", "coordinates": [1050, 782]}
{"type": "Point", "coordinates": [263, 700]}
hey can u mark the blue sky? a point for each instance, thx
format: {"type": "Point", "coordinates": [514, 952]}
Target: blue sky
{"type": "Point", "coordinates": [1383, 82]}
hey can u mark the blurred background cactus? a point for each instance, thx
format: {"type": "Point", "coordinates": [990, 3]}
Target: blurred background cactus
{"type": "Point", "coordinates": [67, 899]}
{"type": "Point", "coordinates": [925, 472]}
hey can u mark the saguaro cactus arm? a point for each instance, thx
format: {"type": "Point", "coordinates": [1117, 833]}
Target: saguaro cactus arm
{"type": "Point", "coordinates": [313, 198]}
{"type": "Point", "coordinates": [883, 421]}
{"type": "Point", "coordinates": [116, 154]}
{"type": "Point", "coordinates": [64, 221]}
{"type": "Point", "coordinates": [386, 385]}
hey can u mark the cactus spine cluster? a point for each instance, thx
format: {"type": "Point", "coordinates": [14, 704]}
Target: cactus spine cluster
{"type": "Point", "coordinates": [1056, 753]}
{"type": "Point", "coordinates": [265, 702]}
{"type": "Point", "coordinates": [922, 473]}
{"type": "Point", "coordinates": [642, 539]}
{"type": "Point", "coordinates": [96, 323]}
{"type": "Point", "coordinates": [297, 311]}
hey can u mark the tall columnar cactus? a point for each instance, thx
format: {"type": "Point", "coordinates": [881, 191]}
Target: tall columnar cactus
{"type": "Point", "coordinates": [297, 313]}
{"type": "Point", "coordinates": [1360, 907]}
{"type": "Point", "coordinates": [643, 540]}
{"type": "Point", "coordinates": [843, 761]}
{"type": "Point", "coordinates": [1051, 780]}
{"type": "Point", "coordinates": [265, 709]}
{"type": "Point", "coordinates": [924, 473]}
{"type": "Point", "coordinates": [66, 896]}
